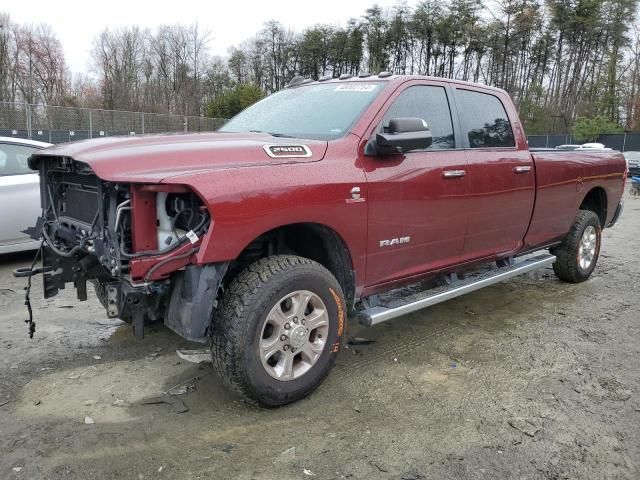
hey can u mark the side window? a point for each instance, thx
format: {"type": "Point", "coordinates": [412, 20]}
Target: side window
{"type": "Point", "coordinates": [13, 159]}
{"type": "Point", "coordinates": [485, 119]}
{"type": "Point", "coordinates": [429, 103]}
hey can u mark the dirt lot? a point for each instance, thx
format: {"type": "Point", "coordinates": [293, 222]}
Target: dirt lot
{"type": "Point", "coordinates": [530, 379]}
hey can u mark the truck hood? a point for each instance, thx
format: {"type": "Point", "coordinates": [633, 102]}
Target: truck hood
{"type": "Point", "coordinates": [152, 158]}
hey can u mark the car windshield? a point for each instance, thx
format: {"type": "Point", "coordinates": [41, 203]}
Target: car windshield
{"type": "Point", "coordinates": [324, 111]}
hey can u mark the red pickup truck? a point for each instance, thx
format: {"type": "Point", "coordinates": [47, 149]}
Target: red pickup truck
{"type": "Point", "coordinates": [312, 204]}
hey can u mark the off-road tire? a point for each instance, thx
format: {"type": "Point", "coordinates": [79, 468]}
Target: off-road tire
{"type": "Point", "coordinates": [567, 266]}
{"type": "Point", "coordinates": [237, 327]}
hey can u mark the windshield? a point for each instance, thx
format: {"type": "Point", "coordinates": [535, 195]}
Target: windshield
{"type": "Point", "coordinates": [321, 112]}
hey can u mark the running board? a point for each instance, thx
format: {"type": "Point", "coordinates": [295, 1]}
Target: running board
{"type": "Point", "coordinates": [378, 314]}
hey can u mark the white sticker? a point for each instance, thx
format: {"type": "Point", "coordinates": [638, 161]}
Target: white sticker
{"type": "Point", "coordinates": [191, 235]}
{"type": "Point", "coordinates": [356, 87]}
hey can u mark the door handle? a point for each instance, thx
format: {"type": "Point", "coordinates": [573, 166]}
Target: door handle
{"type": "Point", "coordinates": [522, 169]}
{"type": "Point", "coordinates": [453, 173]}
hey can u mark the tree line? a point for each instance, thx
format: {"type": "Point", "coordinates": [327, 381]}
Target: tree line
{"type": "Point", "coordinates": [560, 60]}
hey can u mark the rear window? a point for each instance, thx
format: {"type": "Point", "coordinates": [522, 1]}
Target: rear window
{"type": "Point", "coordinates": [485, 120]}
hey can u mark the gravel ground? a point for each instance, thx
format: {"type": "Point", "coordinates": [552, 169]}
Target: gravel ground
{"type": "Point", "coordinates": [529, 379]}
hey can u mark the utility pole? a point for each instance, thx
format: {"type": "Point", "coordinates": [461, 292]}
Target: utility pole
{"type": "Point", "coordinates": [30, 100]}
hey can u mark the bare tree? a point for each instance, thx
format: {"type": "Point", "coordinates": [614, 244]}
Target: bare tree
{"type": "Point", "coordinates": [559, 59]}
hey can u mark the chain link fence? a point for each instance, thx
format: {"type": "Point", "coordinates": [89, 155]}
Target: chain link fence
{"type": "Point", "coordinates": [65, 124]}
{"type": "Point", "coordinates": [625, 142]}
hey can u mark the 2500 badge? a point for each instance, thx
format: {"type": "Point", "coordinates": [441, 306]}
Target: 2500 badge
{"type": "Point", "coordinates": [287, 151]}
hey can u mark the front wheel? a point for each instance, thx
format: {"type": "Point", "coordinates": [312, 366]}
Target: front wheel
{"type": "Point", "coordinates": [578, 253]}
{"type": "Point", "coordinates": [279, 329]}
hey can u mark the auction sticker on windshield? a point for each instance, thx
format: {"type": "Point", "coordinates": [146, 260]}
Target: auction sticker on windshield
{"type": "Point", "coordinates": [356, 87]}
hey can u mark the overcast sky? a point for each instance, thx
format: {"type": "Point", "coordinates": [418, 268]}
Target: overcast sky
{"type": "Point", "coordinates": [231, 21]}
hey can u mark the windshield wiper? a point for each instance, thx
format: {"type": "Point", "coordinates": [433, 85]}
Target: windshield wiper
{"type": "Point", "coordinates": [279, 135]}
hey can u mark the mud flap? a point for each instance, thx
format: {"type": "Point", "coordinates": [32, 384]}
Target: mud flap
{"type": "Point", "coordinates": [193, 299]}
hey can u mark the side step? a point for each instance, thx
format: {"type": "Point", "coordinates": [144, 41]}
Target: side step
{"type": "Point", "coordinates": [381, 313]}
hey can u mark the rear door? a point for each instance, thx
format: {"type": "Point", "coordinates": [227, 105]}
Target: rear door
{"type": "Point", "coordinates": [501, 175]}
{"type": "Point", "coordinates": [19, 194]}
{"type": "Point", "coordinates": [418, 200]}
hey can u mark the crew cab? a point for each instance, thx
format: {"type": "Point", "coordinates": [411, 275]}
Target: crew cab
{"type": "Point", "coordinates": [314, 204]}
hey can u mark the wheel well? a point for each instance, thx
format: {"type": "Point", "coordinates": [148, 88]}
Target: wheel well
{"type": "Point", "coordinates": [596, 201]}
{"type": "Point", "coordinates": [313, 241]}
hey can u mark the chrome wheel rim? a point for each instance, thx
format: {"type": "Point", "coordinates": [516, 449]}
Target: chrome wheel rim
{"type": "Point", "coordinates": [293, 335]}
{"type": "Point", "coordinates": [587, 248]}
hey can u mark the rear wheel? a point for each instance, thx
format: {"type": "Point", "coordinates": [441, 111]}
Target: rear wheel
{"type": "Point", "coordinates": [279, 329]}
{"type": "Point", "coordinates": [578, 254]}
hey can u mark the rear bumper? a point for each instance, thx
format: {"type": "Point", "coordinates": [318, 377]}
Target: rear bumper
{"type": "Point", "coordinates": [616, 215]}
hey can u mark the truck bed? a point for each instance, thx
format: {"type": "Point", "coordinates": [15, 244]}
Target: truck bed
{"type": "Point", "coordinates": [563, 179]}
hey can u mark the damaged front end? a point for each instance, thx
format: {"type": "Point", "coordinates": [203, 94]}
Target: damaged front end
{"type": "Point", "coordinates": [137, 244]}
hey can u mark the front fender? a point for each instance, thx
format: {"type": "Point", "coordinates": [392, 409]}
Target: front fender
{"type": "Point", "coordinates": [246, 203]}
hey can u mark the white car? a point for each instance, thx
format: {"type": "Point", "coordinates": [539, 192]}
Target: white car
{"type": "Point", "coordinates": [19, 194]}
{"type": "Point", "coordinates": [584, 146]}
{"type": "Point", "coordinates": [633, 163]}
{"type": "Point", "coordinates": [568, 146]}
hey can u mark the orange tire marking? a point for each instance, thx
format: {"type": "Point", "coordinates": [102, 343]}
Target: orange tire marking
{"type": "Point", "coordinates": [340, 312]}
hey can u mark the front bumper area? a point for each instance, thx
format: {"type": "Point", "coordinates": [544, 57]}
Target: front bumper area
{"type": "Point", "coordinates": [185, 301]}
{"type": "Point", "coordinates": [132, 303]}
{"type": "Point", "coordinates": [133, 242]}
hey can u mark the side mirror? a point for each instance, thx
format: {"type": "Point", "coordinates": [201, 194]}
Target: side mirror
{"type": "Point", "coordinates": [402, 135]}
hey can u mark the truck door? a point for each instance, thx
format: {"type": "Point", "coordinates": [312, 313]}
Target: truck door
{"type": "Point", "coordinates": [417, 200]}
{"type": "Point", "coordinates": [501, 175]}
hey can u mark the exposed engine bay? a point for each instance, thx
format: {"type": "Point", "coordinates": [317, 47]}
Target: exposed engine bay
{"type": "Point", "coordinates": [134, 242]}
